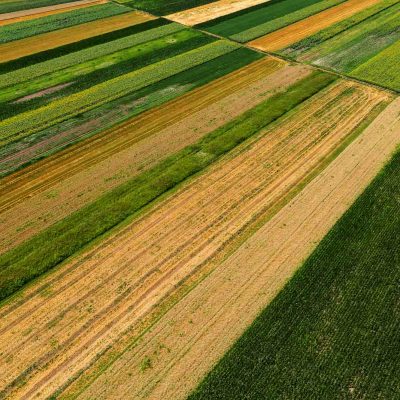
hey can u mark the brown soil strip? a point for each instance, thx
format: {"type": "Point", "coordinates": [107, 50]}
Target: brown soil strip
{"type": "Point", "coordinates": [185, 344]}
{"type": "Point", "coordinates": [293, 33]}
{"type": "Point", "coordinates": [211, 11]}
{"type": "Point", "coordinates": [43, 92]}
{"type": "Point", "coordinates": [50, 190]}
{"type": "Point", "coordinates": [24, 47]}
{"type": "Point", "coordinates": [85, 306]}
{"type": "Point", "coordinates": [19, 16]}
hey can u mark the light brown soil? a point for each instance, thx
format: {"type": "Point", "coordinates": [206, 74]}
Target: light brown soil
{"type": "Point", "coordinates": [25, 15]}
{"type": "Point", "coordinates": [185, 344]}
{"type": "Point", "coordinates": [293, 33]}
{"type": "Point", "coordinates": [211, 11]}
{"type": "Point", "coordinates": [24, 47]}
{"type": "Point", "coordinates": [57, 327]}
{"type": "Point", "coordinates": [47, 191]}
{"type": "Point", "coordinates": [43, 92]}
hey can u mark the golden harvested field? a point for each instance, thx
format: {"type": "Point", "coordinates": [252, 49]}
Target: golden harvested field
{"type": "Point", "coordinates": [295, 32]}
{"type": "Point", "coordinates": [84, 171]}
{"type": "Point", "coordinates": [213, 10]}
{"type": "Point", "coordinates": [34, 44]}
{"type": "Point", "coordinates": [26, 15]}
{"type": "Point", "coordinates": [58, 327]}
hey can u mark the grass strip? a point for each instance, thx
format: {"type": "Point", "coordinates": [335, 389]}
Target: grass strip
{"type": "Point", "coordinates": [165, 7]}
{"type": "Point", "coordinates": [333, 331]}
{"type": "Point", "coordinates": [47, 55]}
{"type": "Point", "coordinates": [94, 52]}
{"type": "Point", "coordinates": [33, 121]}
{"type": "Point", "coordinates": [21, 30]}
{"type": "Point", "coordinates": [60, 241]}
{"type": "Point", "coordinates": [133, 104]}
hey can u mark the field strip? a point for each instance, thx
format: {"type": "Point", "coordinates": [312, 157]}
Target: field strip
{"type": "Point", "coordinates": [34, 44]}
{"type": "Point", "coordinates": [81, 173]}
{"type": "Point", "coordinates": [187, 342]}
{"type": "Point", "coordinates": [111, 287]}
{"type": "Point", "coordinates": [293, 33]}
{"type": "Point", "coordinates": [211, 11]}
{"type": "Point", "coordinates": [19, 16]}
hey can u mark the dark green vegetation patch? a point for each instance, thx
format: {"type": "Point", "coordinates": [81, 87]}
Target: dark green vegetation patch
{"type": "Point", "coordinates": [333, 332]}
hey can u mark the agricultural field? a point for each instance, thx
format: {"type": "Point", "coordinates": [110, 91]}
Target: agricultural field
{"type": "Point", "coordinates": [175, 175]}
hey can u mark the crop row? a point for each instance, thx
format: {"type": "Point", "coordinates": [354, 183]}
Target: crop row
{"type": "Point", "coordinates": [77, 69]}
{"type": "Point", "coordinates": [333, 331]}
{"type": "Point", "coordinates": [60, 51]}
{"type": "Point", "coordinates": [19, 5]}
{"type": "Point", "coordinates": [78, 57]}
{"type": "Point", "coordinates": [383, 69]}
{"type": "Point", "coordinates": [93, 73]}
{"type": "Point", "coordinates": [36, 120]}
{"type": "Point", "coordinates": [132, 104]}
{"type": "Point", "coordinates": [283, 21]}
{"type": "Point", "coordinates": [52, 246]}
{"type": "Point", "coordinates": [303, 46]}
{"type": "Point", "coordinates": [21, 30]}
{"type": "Point", "coordinates": [264, 17]}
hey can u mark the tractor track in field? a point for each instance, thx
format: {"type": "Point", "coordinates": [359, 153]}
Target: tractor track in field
{"type": "Point", "coordinates": [222, 202]}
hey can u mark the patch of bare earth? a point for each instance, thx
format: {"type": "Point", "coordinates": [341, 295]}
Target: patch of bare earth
{"type": "Point", "coordinates": [45, 41]}
{"type": "Point", "coordinates": [25, 15]}
{"type": "Point", "coordinates": [42, 93]}
{"type": "Point", "coordinates": [210, 11]}
{"type": "Point", "coordinates": [58, 327]}
{"type": "Point", "coordinates": [44, 193]}
{"type": "Point", "coordinates": [288, 35]}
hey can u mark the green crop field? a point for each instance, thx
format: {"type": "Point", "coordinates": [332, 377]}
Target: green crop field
{"type": "Point", "coordinates": [333, 331]}
{"type": "Point", "coordinates": [7, 6]}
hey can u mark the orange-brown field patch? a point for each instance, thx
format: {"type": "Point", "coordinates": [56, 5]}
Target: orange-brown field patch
{"type": "Point", "coordinates": [211, 11]}
{"type": "Point", "coordinates": [58, 327]}
{"type": "Point", "coordinates": [19, 16]}
{"type": "Point", "coordinates": [293, 33]}
{"type": "Point", "coordinates": [47, 191]}
{"type": "Point", "coordinates": [24, 47]}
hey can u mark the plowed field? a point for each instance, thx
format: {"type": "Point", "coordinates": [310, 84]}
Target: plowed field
{"type": "Point", "coordinates": [293, 33]}
{"type": "Point", "coordinates": [72, 178]}
{"type": "Point", "coordinates": [58, 327]}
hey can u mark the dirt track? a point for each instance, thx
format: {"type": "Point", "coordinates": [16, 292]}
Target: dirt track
{"type": "Point", "coordinates": [31, 45]}
{"type": "Point", "coordinates": [211, 11]}
{"type": "Point", "coordinates": [293, 33]}
{"type": "Point", "coordinates": [25, 15]}
{"type": "Point", "coordinates": [70, 179]}
{"type": "Point", "coordinates": [59, 326]}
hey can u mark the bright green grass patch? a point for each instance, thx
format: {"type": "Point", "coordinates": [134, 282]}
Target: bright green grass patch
{"type": "Point", "coordinates": [283, 21]}
{"type": "Point", "coordinates": [129, 106]}
{"type": "Point", "coordinates": [357, 45]}
{"type": "Point", "coordinates": [33, 121]}
{"type": "Point", "coordinates": [72, 72]}
{"type": "Point", "coordinates": [307, 49]}
{"type": "Point", "coordinates": [7, 6]}
{"type": "Point", "coordinates": [63, 239]}
{"type": "Point", "coordinates": [91, 53]}
{"type": "Point", "coordinates": [333, 331]}
{"type": "Point", "coordinates": [24, 29]}
{"type": "Point", "coordinates": [383, 69]}
{"type": "Point", "coordinates": [246, 19]}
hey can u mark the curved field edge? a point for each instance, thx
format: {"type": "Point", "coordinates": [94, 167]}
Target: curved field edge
{"type": "Point", "coordinates": [335, 324]}
{"type": "Point", "coordinates": [46, 250]}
